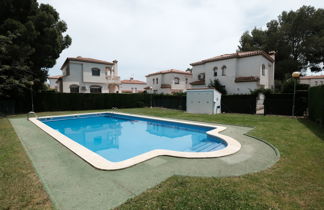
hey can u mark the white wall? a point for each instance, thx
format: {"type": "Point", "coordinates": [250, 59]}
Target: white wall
{"type": "Point", "coordinates": [312, 82]}
{"type": "Point", "coordinates": [135, 88]}
{"type": "Point", "coordinates": [53, 84]}
{"type": "Point", "coordinates": [79, 75]}
{"type": "Point", "coordinates": [206, 101]}
{"type": "Point", "coordinates": [169, 80]}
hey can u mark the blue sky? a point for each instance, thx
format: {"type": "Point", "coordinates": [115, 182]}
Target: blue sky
{"type": "Point", "coordinates": [150, 35]}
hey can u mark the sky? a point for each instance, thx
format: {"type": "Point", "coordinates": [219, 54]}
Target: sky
{"type": "Point", "coordinates": [147, 36]}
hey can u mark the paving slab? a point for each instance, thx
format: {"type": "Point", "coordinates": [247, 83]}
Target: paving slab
{"type": "Point", "coordinates": [74, 184]}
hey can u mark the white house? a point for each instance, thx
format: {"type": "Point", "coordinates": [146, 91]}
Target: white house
{"type": "Point", "coordinates": [239, 72]}
{"type": "Point", "coordinates": [312, 80]}
{"type": "Point", "coordinates": [88, 75]}
{"type": "Point", "coordinates": [168, 81]}
{"type": "Point", "coordinates": [132, 86]}
{"type": "Point", "coordinates": [53, 82]}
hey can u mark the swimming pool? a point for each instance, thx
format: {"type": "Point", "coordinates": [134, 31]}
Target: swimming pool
{"type": "Point", "coordinates": [114, 140]}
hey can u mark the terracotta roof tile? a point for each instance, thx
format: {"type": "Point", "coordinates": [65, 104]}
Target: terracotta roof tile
{"type": "Point", "coordinates": [247, 79]}
{"type": "Point", "coordinates": [313, 77]}
{"type": "Point", "coordinates": [170, 71]}
{"type": "Point", "coordinates": [133, 81]}
{"type": "Point", "coordinates": [198, 82]}
{"type": "Point", "coordinates": [235, 55]}
{"type": "Point", "coordinates": [88, 60]}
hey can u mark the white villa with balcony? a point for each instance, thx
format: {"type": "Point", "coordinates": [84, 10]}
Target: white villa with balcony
{"type": "Point", "coordinates": [88, 75]}
{"type": "Point", "coordinates": [168, 81]}
{"type": "Point", "coordinates": [240, 72]}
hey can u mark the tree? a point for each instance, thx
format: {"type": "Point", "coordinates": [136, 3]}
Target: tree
{"type": "Point", "coordinates": [297, 37]}
{"type": "Point", "coordinates": [218, 86]}
{"type": "Point", "coordinates": [31, 39]}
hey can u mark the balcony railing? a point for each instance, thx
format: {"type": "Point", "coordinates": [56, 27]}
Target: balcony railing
{"type": "Point", "coordinates": [113, 79]}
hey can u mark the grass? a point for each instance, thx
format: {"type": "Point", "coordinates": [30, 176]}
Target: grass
{"type": "Point", "coordinates": [295, 182]}
{"type": "Point", "coordinates": [20, 187]}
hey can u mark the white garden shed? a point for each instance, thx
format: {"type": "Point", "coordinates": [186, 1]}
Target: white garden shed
{"type": "Point", "coordinates": [203, 101]}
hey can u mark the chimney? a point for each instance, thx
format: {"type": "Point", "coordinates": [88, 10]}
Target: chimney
{"type": "Point", "coordinates": [115, 66]}
{"type": "Point", "coordinates": [131, 78]}
{"type": "Point", "coordinates": [272, 54]}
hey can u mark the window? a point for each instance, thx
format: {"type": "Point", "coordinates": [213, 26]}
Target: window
{"type": "Point", "coordinates": [95, 89]}
{"type": "Point", "coordinates": [157, 81]}
{"type": "Point", "coordinates": [215, 71]}
{"type": "Point", "coordinates": [153, 81]}
{"type": "Point", "coordinates": [201, 76]}
{"type": "Point", "coordinates": [263, 70]}
{"type": "Point", "coordinates": [95, 72]}
{"type": "Point", "coordinates": [186, 80]}
{"type": "Point", "coordinates": [74, 88]}
{"type": "Point", "coordinates": [316, 83]}
{"type": "Point", "coordinates": [176, 80]}
{"type": "Point", "coordinates": [322, 83]}
{"type": "Point", "coordinates": [224, 70]}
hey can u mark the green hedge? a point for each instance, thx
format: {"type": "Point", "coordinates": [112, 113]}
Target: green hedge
{"type": "Point", "coordinates": [170, 101]}
{"type": "Point", "coordinates": [281, 104]}
{"type": "Point", "coordinates": [85, 101]}
{"type": "Point", "coordinates": [52, 101]}
{"type": "Point", "coordinates": [316, 104]}
{"type": "Point", "coordinates": [239, 104]}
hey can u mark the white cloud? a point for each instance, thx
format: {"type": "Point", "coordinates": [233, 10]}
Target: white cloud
{"type": "Point", "coordinates": [151, 35]}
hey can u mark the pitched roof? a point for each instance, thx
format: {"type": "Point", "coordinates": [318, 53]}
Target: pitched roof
{"type": "Point", "coordinates": [234, 55]}
{"type": "Point", "coordinates": [198, 82]}
{"type": "Point", "coordinates": [133, 81]}
{"type": "Point", "coordinates": [55, 77]}
{"type": "Point", "coordinates": [170, 71]}
{"type": "Point", "coordinates": [247, 79]}
{"type": "Point", "coordinates": [87, 60]}
{"type": "Point", "coordinates": [313, 77]}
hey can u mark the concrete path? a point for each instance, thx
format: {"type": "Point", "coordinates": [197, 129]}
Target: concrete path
{"type": "Point", "coordinates": [73, 184]}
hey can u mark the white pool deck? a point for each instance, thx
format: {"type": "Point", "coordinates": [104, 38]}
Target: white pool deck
{"type": "Point", "coordinates": [97, 161]}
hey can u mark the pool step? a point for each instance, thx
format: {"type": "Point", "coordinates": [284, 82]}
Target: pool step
{"type": "Point", "coordinates": [206, 147]}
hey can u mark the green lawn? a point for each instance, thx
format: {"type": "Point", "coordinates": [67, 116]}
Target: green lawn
{"type": "Point", "coordinates": [20, 187]}
{"type": "Point", "coordinates": [295, 182]}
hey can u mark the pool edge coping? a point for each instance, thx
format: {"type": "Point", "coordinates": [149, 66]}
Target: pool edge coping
{"type": "Point", "coordinates": [101, 163]}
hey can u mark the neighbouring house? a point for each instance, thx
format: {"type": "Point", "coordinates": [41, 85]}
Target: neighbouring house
{"type": "Point", "coordinates": [314, 80]}
{"type": "Point", "coordinates": [168, 81]}
{"type": "Point", "coordinates": [88, 75]}
{"type": "Point", "coordinates": [53, 82]}
{"type": "Point", "coordinates": [239, 73]}
{"type": "Point", "coordinates": [132, 86]}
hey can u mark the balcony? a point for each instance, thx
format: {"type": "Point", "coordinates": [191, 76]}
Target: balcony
{"type": "Point", "coordinates": [113, 79]}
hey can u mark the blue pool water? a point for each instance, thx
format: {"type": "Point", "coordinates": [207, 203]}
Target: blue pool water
{"type": "Point", "coordinates": [118, 137]}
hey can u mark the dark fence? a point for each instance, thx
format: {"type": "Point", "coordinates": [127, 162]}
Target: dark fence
{"type": "Point", "coordinates": [52, 101]}
{"type": "Point", "coordinates": [170, 101]}
{"type": "Point", "coordinates": [281, 104]}
{"type": "Point", "coordinates": [239, 104]}
{"type": "Point", "coordinates": [316, 104]}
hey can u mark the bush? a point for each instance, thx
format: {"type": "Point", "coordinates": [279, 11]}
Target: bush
{"type": "Point", "coordinates": [288, 86]}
